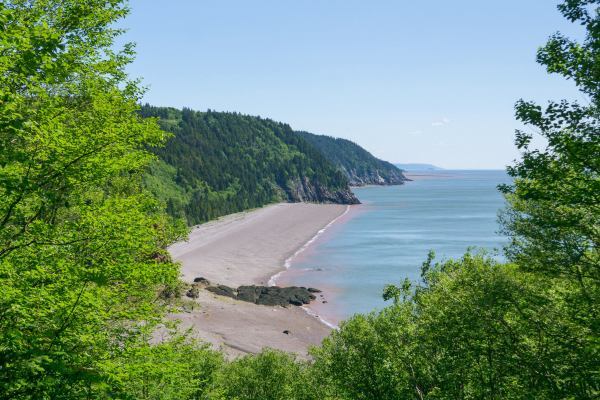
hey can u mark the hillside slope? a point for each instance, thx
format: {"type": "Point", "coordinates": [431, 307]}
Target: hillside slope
{"type": "Point", "coordinates": [359, 166]}
{"type": "Point", "coordinates": [219, 163]}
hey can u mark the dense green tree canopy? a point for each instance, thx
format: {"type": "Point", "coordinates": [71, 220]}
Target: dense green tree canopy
{"type": "Point", "coordinates": [80, 242]}
{"type": "Point", "coordinates": [227, 162]}
{"type": "Point", "coordinates": [555, 200]}
{"type": "Point", "coordinates": [554, 204]}
{"type": "Point", "coordinates": [474, 328]}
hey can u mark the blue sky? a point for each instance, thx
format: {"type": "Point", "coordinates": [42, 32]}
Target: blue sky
{"type": "Point", "coordinates": [411, 81]}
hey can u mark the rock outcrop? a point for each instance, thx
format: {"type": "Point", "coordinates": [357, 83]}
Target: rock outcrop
{"type": "Point", "coordinates": [267, 295]}
{"type": "Point", "coordinates": [193, 292]}
{"type": "Point", "coordinates": [376, 177]}
{"type": "Point", "coordinates": [222, 290]}
{"type": "Point", "coordinates": [201, 281]}
{"type": "Point", "coordinates": [306, 190]}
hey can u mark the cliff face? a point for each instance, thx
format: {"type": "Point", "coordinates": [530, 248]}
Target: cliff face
{"type": "Point", "coordinates": [358, 165]}
{"type": "Point", "coordinates": [375, 177]}
{"type": "Point", "coordinates": [303, 189]}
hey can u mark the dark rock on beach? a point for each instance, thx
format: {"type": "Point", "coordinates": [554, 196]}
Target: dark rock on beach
{"type": "Point", "coordinates": [267, 295]}
{"type": "Point", "coordinates": [248, 293]}
{"type": "Point", "coordinates": [222, 290]}
{"type": "Point", "coordinates": [193, 293]}
{"type": "Point", "coordinates": [201, 280]}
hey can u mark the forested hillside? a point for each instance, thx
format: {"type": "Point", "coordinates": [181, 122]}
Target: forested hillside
{"type": "Point", "coordinates": [219, 163]}
{"type": "Point", "coordinates": [360, 166]}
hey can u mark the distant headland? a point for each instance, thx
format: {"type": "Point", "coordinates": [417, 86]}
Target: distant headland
{"type": "Point", "coordinates": [418, 167]}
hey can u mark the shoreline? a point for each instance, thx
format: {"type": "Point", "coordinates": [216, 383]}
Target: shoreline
{"type": "Point", "coordinates": [288, 263]}
{"type": "Point", "coordinates": [248, 248]}
{"type": "Point", "coordinates": [327, 306]}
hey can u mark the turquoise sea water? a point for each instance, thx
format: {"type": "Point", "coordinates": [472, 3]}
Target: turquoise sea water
{"type": "Point", "coordinates": [388, 237]}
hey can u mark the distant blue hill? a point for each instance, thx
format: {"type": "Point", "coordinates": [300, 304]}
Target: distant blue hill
{"type": "Point", "coordinates": [418, 167]}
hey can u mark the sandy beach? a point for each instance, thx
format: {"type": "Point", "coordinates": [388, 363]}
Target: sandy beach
{"type": "Point", "coordinates": [249, 248]}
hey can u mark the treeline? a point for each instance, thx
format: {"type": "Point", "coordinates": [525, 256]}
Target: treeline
{"type": "Point", "coordinates": [85, 280]}
{"type": "Point", "coordinates": [218, 163]}
{"type": "Point", "coordinates": [360, 166]}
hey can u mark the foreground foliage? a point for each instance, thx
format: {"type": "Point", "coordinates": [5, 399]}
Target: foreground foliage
{"type": "Point", "coordinates": [81, 245]}
{"type": "Point", "coordinates": [474, 329]}
{"type": "Point", "coordinates": [174, 369]}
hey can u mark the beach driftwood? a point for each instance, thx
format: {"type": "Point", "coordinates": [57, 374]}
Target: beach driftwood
{"type": "Point", "coordinates": [267, 295]}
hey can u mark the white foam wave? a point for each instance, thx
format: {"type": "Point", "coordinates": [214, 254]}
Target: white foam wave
{"type": "Point", "coordinates": [323, 320]}
{"type": "Point", "coordinates": [288, 261]}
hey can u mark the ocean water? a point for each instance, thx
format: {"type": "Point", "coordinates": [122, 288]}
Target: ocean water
{"type": "Point", "coordinates": [388, 237]}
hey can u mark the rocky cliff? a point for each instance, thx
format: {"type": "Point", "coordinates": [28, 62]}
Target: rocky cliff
{"type": "Point", "coordinates": [358, 165]}
{"type": "Point", "coordinates": [303, 189]}
{"type": "Point", "coordinates": [375, 176]}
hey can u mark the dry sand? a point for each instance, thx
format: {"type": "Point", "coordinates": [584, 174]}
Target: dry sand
{"type": "Point", "coordinates": [249, 248]}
